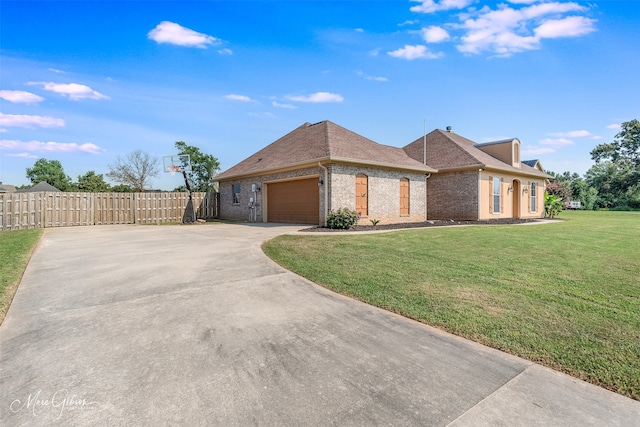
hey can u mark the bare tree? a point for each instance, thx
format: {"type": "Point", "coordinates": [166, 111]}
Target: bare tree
{"type": "Point", "coordinates": [136, 170]}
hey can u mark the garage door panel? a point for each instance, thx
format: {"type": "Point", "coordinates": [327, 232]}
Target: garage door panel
{"type": "Point", "coordinates": [294, 202]}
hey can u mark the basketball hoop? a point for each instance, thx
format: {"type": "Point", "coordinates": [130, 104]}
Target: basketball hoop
{"type": "Point", "coordinates": [173, 169]}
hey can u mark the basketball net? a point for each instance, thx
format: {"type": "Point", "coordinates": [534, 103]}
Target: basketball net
{"type": "Point", "coordinates": [173, 169]}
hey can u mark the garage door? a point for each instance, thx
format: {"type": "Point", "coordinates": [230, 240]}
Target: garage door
{"type": "Point", "coordinates": [294, 202]}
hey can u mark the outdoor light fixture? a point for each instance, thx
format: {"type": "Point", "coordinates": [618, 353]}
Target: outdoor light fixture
{"type": "Point", "coordinates": [510, 188]}
{"type": "Point", "coordinates": [525, 190]}
{"type": "Point", "coordinates": [320, 182]}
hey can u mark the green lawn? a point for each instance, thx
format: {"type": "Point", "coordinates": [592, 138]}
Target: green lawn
{"type": "Point", "coordinates": [15, 250]}
{"type": "Point", "coordinates": [566, 295]}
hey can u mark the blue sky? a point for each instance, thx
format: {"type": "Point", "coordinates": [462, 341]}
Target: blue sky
{"type": "Point", "coordinates": [86, 81]}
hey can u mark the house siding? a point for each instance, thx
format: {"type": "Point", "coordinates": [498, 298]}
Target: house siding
{"type": "Point", "coordinates": [383, 193]}
{"type": "Point", "coordinates": [453, 195]}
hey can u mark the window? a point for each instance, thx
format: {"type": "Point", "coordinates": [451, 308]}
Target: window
{"type": "Point", "coordinates": [362, 194]}
{"type": "Point", "coordinates": [235, 189]}
{"type": "Point", "coordinates": [534, 199]}
{"type": "Point", "coordinates": [404, 196]}
{"type": "Point", "coordinates": [496, 194]}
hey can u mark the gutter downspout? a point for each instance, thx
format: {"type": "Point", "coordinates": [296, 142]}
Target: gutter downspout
{"type": "Point", "coordinates": [426, 197]}
{"type": "Point", "coordinates": [326, 192]}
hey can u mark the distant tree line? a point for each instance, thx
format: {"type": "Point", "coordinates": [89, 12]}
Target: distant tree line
{"type": "Point", "coordinates": [613, 182]}
{"type": "Point", "coordinates": [132, 173]}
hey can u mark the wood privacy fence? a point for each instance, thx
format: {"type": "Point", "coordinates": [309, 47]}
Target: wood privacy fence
{"type": "Point", "coordinates": [62, 209]}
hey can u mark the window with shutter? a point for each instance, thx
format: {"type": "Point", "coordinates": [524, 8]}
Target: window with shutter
{"type": "Point", "coordinates": [362, 194]}
{"type": "Point", "coordinates": [497, 196]}
{"type": "Point", "coordinates": [404, 196]}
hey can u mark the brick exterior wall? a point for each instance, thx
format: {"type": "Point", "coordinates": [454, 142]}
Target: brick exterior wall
{"type": "Point", "coordinates": [240, 211]}
{"type": "Point", "coordinates": [383, 193]}
{"type": "Point", "coordinates": [453, 195]}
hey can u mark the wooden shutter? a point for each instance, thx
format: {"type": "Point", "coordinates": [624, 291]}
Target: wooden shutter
{"type": "Point", "coordinates": [404, 196]}
{"type": "Point", "coordinates": [362, 194]}
{"type": "Point", "coordinates": [501, 197]}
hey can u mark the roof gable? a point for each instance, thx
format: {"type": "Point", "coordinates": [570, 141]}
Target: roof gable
{"type": "Point", "coordinates": [323, 141]}
{"type": "Point", "coordinates": [447, 150]}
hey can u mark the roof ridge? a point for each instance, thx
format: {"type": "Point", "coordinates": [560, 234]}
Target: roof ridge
{"type": "Point", "coordinates": [457, 145]}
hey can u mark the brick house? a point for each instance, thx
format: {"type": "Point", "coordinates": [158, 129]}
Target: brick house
{"type": "Point", "coordinates": [323, 166]}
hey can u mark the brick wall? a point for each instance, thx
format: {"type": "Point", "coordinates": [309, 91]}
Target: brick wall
{"type": "Point", "coordinates": [383, 194]}
{"type": "Point", "coordinates": [453, 195]}
{"type": "Point", "coordinates": [240, 211]}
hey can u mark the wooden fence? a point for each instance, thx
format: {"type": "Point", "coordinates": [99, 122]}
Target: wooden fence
{"type": "Point", "coordinates": [62, 209]}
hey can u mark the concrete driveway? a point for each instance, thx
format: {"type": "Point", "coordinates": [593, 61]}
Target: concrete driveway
{"type": "Point", "coordinates": [193, 325]}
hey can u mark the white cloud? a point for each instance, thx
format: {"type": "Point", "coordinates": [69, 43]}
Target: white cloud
{"type": "Point", "coordinates": [74, 91]}
{"type": "Point", "coordinates": [20, 97]}
{"type": "Point", "coordinates": [574, 134]}
{"type": "Point", "coordinates": [408, 22]}
{"type": "Point", "coordinates": [359, 30]}
{"type": "Point", "coordinates": [317, 97]}
{"type": "Point", "coordinates": [557, 142]}
{"type": "Point", "coordinates": [264, 115]}
{"type": "Point", "coordinates": [37, 146]}
{"type": "Point", "coordinates": [506, 30]}
{"type": "Point", "coordinates": [287, 106]}
{"type": "Point", "coordinates": [435, 34]}
{"type": "Point", "coordinates": [372, 78]}
{"type": "Point", "coordinates": [54, 70]}
{"type": "Point", "coordinates": [571, 26]}
{"type": "Point", "coordinates": [24, 121]}
{"type": "Point", "coordinates": [172, 33]}
{"type": "Point", "coordinates": [523, 1]}
{"type": "Point", "coordinates": [537, 151]}
{"type": "Point", "coordinates": [431, 6]}
{"type": "Point", "coordinates": [241, 98]}
{"type": "Point", "coordinates": [225, 51]}
{"type": "Point", "coordinates": [23, 155]}
{"type": "Point", "coordinates": [414, 52]}
{"type": "Point", "coordinates": [614, 126]}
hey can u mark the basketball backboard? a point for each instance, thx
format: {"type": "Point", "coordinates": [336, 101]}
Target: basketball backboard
{"type": "Point", "coordinates": [176, 163]}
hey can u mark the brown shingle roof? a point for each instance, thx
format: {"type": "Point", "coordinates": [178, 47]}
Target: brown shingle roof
{"type": "Point", "coordinates": [324, 141]}
{"type": "Point", "coordinates": [447, 150]}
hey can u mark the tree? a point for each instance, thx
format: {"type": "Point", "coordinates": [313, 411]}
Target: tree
{"type": "Point", "coordinates": [121, 188]}
{"type": "Point", "coordinates": [136, 170]}
{"type": "Point", "coordinates": [552, 205]}
{"type": "Point", "coordinates": [50, 171]}
{"type": "Point", "coordinates": [561, 189]}
{"type": "Point", "coordinates": [93, 183]}
{"type": "Point", "coordinates": [203, 167]}
{"type": "Point", "coordinates": [616, 174]}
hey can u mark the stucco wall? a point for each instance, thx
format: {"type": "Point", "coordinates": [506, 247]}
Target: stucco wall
{"type": "Point", "coordinates": [240, 212]}
{"type": "Point", "coordinates": [453, 195]}
{"type": "Point", "coordinates": [524, 209]}
{"type": "Point", "coordinates": [383, 193]}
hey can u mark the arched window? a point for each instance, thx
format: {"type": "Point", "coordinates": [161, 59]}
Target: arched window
{"type": "Point", "coordinates": [404, 196]}
{"type": "Point", "coordinates": [516, 153]}
{"type": "Point", "coordinates": [362, 194]}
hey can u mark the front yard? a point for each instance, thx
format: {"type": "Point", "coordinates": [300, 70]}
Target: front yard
{"type": "Point", "coordinates": [566, 295]}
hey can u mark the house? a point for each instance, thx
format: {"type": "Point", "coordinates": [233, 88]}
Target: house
{"type": "Point", "coordinates": [6, 188]}
{"type": "Point", "coordinates": [479, 181]}
{"type": "Point", "coordinates": [323, 166]}
{"type": "Point", "coordinates": [41, 186]}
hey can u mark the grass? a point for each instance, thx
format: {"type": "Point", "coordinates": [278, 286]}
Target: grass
{"type": "Point", "coordinates": [15, 250]}
{"type": "Point", "coordinates": [566, 295]}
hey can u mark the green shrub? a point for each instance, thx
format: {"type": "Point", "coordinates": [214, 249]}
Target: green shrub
{"type": "Point", "coordinates": [342, 219]}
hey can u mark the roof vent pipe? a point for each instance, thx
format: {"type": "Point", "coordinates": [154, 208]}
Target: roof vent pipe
{"type": "Point", "coordinates": [449, 129]}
